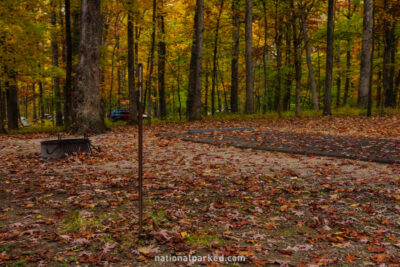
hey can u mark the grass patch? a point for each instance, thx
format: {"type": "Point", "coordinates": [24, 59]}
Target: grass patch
{"type": "Point", "coordinates": [202, 240]}
{"type": "Point", "coordinates": [78, 223]}
{"type": "Point", "coordinates": [21, 263]}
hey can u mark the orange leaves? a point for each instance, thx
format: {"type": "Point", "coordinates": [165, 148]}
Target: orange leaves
{"type": "Point", "coordinates": [380, 258]}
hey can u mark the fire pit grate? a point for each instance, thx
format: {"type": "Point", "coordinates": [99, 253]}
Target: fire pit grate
{"type": "Point", "coordinates": [61, 147]}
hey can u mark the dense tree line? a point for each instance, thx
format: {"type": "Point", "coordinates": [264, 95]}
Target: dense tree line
{"type": "Point", "coordinates": [76, 59]}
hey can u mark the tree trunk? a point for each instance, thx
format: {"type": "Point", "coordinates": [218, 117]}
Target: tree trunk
{"type": "Point", "coordinates": [388, 41]}
{"type": "Point", "coordinates": [347, 83]}
{"type": "Point", "coordinates": [88, 114]}
{"type": "Point", "coordinates": [278, 42]}
{"type": "Point", "coordinates": [329, 60]}
{"type": "Point", "coordinates": [226, 107]}
{"type": "Point", "coordinates": [68, 78]}
{"type": "Point", "coordinates": [215, 52]}
{"type": "Point", "coordinates": [131, 72]}
{"type": "Point", "coordinates": [365, 54]}
{"type": "Point", "coordinates": [34, 102]}
{"type": "Point", "coordinates": [235, 57]}
{"type": "Point", "coordinates": [249, 108]}
{"type": "Point", "coordinates": [311, 75]}
{"type": "Point", "coordinates": [41, 101]}
{"type": "Point", "coordinates": [371, 73]}
{"type": "Point", "coordinates": [12, 99]}
{"type": "Point", "coordinates": [348, 59]}
{"type": "Point", "coordinates": [288, 80]}
{"type": "Point", "coordinates": [206, 92]}
{"type": "Point", "coordinates": [194, 95]}
{"type": "Point", "coordinates": [296, 57]}
{"type": "Point", "coordinates": [161, 68]}
{"type": "Point", "coordinates": [2, 115]}
{"type": "Point", "coordinates": [338, 77]}
{"type": "Point", "coordinates": [178, 81]}
{"type": "Point", "coordinates": [56, 80]}
{"type": "Point", "coordinates": [151, 64]}
{"type": "Point", "coordinates": [265, 53]}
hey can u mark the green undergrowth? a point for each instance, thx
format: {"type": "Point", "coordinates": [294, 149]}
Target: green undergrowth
{"type": "Point", "coordinates": [49, 127]}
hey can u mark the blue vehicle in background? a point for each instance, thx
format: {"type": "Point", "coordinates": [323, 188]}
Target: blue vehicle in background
{"type": "Point", "coordinates": [119, 115]}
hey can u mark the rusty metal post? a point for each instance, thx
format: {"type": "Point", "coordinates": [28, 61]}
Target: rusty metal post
{"type": "Point", "coordinates": [140, 147]}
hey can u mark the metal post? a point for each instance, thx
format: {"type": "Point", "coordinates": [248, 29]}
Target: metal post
{"type": "Point", "coordinates": [140, 146]}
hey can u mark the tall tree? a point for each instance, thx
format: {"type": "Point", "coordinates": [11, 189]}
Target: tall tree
{"type": "Point", "coordinates": [348, 57]}
{"type": "Point", "coordinates": [151, 63]}
{"type": "Point", "coordinates": [194, 91]}
{"type": "Point", "coordinates": [366, 54]}
{"type": "Point", "coordinates": [278, 43]}
{"type": "Point", "coordinates": [88, 115]}
{"type": "Point", "coordinates": [161, 65]}
{"type": "Point", "coordinates": [329, 60]}
{"type": "Point", "coordinates": [56, 80]}
{"type": "Point", "coordinates": [131, 70]}
{"type": "Point", "coordinates": [235, 57]}
{"type": "Point", "coordinates": [68, 78]}
{"type": "Point", "coordinates": [12, 99]}
{"type": "Point", "coordinates": [215, 53]}
{"type": "Point", "coordinates": [296, 56]}
{"type": "Point", "coordinates": [389, 47]}
{"type": "Point", "coordinates": [313, 83]}
{"type": "Point", "coordinates": [249, 108]}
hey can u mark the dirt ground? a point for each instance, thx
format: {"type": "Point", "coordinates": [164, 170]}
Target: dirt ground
{"type": "Point", "coordinates": [272, 208]}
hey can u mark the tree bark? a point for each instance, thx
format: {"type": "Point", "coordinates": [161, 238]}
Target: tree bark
{"type": "Point", "coordinates": [41, 101]}
{"type": "Point", "coordinates": [388, 41]}
{"type": "Point", "coordinates": [214, 70]}
{"type": "Point", "coordinates": [12, 99]}
{"type": "Point", "coordinates": [348, 59]}
{"type": "Point", "coordinates": [161, 68]}
{"type": "Point", "coordinates": [297, 58]}
{"type": "Point", "coordinates": [365, 54]}
{"type": "Point", "coordinates": [151, 64]}
{"type": "Point", "coordinates": [371, 73]}
{"type": "Point", "coordinates": [88, 114]}
{"type": "Point", "coordinates": [235, 57]}
{"type": "Point", "coordinates": [278, 42]}
{"type": "Point", "coordinates": [347, 83]}
{"type": "Point", "coordinates": [265, 53]}
{"type": "Point", "coordinates": [194, 95]}
{"type": "Point", "coordinates": [131, 72]}
{"type": "Point", "coordinates": [206, 92]}
{"type": "Point", "coordinates": [338, 77]}
{"type": "Point", "coordinates": [329, 60]}
{"type": "Point", "coordinates": [56, 80]}
{"type": "Point", "coordinates": [215, 52]}
{"type": "Point", "coordinates": [249, 108]}
{"type": "Point", "coordinates": [311, 75]}
{"type": "Point", "coordinates": [68, 71]}
{"type": "Point", "coordinates": [289, 78]}
{"type": "Point", "coordinates": [34, 102]}
{"type": "Point", "coordinates": [2, 115]}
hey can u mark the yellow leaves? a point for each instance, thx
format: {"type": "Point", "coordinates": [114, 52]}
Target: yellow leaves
{"type": "Point", "coordinates": [184, 234]}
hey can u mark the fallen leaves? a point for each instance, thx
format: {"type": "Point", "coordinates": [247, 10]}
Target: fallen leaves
{"type": "Point", "coordinates": [272, 208]}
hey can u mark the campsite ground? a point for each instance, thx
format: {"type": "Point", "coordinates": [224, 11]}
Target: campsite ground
{"type": "Point", "coordinates": [273, 208]}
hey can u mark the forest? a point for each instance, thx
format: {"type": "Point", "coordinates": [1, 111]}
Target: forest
{"type": "Point", "coordinates": [215, 133]}
{"type": "Point", "coordinates": [60, 58]}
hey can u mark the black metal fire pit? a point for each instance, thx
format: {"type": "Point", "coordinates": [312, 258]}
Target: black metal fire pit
{"type": "Point", "coordinates": [61, 147]}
